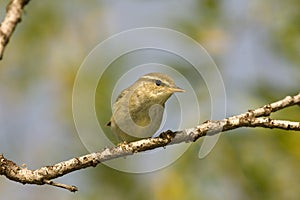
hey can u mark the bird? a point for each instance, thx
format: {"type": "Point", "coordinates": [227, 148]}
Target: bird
{"type": "Point", "coordinates": [138, 110]}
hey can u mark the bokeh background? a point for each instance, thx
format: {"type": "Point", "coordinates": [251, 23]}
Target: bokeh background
{"type": "Point", "coordinates": [255, 44]}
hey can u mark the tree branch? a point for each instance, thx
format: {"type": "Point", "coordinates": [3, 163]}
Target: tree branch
{"type": "Point", "coordinates": [253, 118]}
{"type": "Point", "coordinates": [13, 16]}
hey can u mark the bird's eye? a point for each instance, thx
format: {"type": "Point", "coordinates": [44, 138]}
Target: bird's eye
{"type": "Point", "coordinates": [158, 82]}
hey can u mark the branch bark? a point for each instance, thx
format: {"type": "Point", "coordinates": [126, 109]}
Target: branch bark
{"type": "Point", "coordinates": [13, 16]}
{"type": "Point", "coordinates": [253, 118]}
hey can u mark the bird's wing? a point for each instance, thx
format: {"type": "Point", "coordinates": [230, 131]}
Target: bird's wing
{"type": "Point", "coordinates": [122, 94]}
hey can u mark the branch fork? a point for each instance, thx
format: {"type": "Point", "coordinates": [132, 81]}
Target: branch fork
{"type": "Point", "coordinates": [259, 117]}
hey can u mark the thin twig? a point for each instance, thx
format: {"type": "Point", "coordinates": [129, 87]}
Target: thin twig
{"type": "Point", "coordinates": [71, 188]}
{"type": "Point", "coordinates": [267, 122]}
{"type": "Point", "coordinates": [13, 16]}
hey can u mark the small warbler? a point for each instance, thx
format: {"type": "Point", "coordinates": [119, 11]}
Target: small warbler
{"type": "Point", "coordinates": [138, 110]}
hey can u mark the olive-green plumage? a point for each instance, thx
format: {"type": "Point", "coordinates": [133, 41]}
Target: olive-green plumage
{"type": "Point", "coordinates": [138, 110]}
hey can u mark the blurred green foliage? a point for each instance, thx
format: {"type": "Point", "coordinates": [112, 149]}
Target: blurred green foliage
{"type": "Point", "coordinates": [53, 39]}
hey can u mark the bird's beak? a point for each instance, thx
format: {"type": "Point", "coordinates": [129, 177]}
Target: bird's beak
{"type": "Point", "coordinates": [177, 89]}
